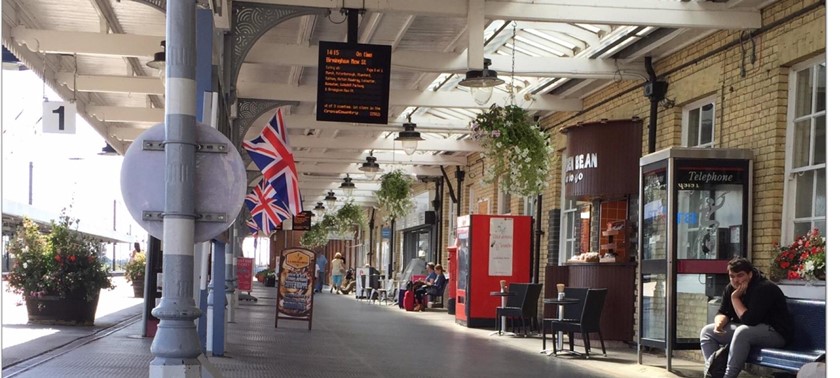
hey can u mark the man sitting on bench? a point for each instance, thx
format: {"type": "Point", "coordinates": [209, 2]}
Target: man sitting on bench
{"type": "Point", "coordinates": [753, 313]}
{"type": "Point", "coordinates": [432, 288]}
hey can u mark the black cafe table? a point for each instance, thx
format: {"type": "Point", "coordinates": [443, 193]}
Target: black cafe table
{"type": "Point", "coordinates": [504, 295]}
{"type": "Point", "coordinates": [560, 303]}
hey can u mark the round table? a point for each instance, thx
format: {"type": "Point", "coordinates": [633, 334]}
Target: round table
{"type": "Point", "coordinates": [560, 303]}
{"type": "Point", "coordinates": [504, 295]}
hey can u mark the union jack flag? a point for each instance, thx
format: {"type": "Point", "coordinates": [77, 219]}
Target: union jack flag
{"type": "Point", "coordinates": [252, 226]}
{"type": "Point", "coordinates": [267, 210]}
{"type": "Point", "coordinates": [272, 153]}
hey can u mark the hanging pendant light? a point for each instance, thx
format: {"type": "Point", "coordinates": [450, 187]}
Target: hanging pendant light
{"type": "Point", "coordinates": [330, 199]}
{"type": "Point", "coordinates": [370, 167]}
{"type": "Point", "coordinates": [348, 186]}
{"type": "Point", "coordinates": [481, 83]}
{"type": "Point", "coordinates": [319, 209]}
{"type": "Point", "coordinates": [409, 137]}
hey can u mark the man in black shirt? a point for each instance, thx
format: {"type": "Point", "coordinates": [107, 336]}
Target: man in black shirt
{"type": "Point", "coordinates": [753, 313]}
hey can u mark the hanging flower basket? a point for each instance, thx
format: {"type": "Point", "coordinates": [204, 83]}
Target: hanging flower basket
{"type": "Point", "coordinates": [394, 195]}
{"type": "Point", "coordinates": [519, 153]}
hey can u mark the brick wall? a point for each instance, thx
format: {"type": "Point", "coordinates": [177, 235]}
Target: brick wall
{"type": "Point", "coordinates": [750, 113]}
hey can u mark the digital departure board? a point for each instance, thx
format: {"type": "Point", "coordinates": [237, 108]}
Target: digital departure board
{"type": "Point", "coordinates": [353, 82]}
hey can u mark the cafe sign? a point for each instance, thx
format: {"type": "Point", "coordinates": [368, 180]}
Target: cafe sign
{"type": "Point", "coordinates": [602, 159]}
{"type": "Point", "coordinates": [576, 165]}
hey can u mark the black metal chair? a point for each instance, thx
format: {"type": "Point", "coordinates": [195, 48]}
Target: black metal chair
{"type": "Point", "coordinates": [514, 303]}
{"type": "Point", "coordinates": [590, 321]}
{"type": "Point", "coordinates": [529, 308]}
{"type": "Point", "coordinates": [571, 312]}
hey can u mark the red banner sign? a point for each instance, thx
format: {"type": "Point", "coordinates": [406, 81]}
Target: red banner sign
{"type": "Point", "coordinates": [244, 273]}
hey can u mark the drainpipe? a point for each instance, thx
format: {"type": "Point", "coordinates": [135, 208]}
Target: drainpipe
{"type": "Point", "coordinates": [538, 233]}
{"type": "Point", "coordinates": [655, 91]}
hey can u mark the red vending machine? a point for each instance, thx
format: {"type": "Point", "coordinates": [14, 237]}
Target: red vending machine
{"type": "Point", "coordinates": [491, 248]}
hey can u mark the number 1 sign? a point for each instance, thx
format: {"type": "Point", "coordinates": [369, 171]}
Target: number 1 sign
{"type": "Point", "coordinates": [59, 117]}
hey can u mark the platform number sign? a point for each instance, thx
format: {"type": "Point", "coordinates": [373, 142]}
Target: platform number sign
{"type": "Point", "coordinates": [59, 117]}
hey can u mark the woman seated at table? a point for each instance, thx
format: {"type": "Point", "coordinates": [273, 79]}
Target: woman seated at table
{"type": "Point", "coordinates": [436, 288]}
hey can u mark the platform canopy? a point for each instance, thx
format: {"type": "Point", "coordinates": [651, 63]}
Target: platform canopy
{"type": "Point", "coordinates": [565, 50]}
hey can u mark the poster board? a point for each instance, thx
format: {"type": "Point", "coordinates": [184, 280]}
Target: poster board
{"type": "Point", "coordinates": [295, 285]}
{"type": "Point", "coordinates": [244, 273]}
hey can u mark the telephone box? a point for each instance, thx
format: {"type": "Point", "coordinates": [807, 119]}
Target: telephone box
{"type": "Point", "coordinates": [491, 248]}
{"type": "Point", "coordinates": [695, 215]}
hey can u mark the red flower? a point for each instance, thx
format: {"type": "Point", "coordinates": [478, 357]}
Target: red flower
{"type": "Point", "coordinates": [58, 258]}
{"type": "Point", "coordinates": [72, 258]}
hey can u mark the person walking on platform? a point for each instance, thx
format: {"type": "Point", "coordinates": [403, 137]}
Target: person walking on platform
{"type": "Point", "coordinates": [337, 272]}
{"type": "Point", "coordinates": [321, 263]}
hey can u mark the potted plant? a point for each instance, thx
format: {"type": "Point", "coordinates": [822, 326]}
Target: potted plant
{"type": "Point", "coordinates": [135, 273]}
{"type": "Point", "coordinates": [260, 276]}
{"type": "Point", "coordinates": [518, 151]}
{"type": "Point", "coordinates": [394, 194]}
{"type": "Point", "coordinates": [59, 274]}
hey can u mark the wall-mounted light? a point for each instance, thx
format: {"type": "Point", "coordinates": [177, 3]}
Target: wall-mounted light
{"type": "Point", "coordinates": [370, 167]}
{"type": "Point", "coordinates": [481, 83]}
{"type": "Point", "coordinates": [409, 137]}
{"type": "Point", "coordinates": [348, 186]}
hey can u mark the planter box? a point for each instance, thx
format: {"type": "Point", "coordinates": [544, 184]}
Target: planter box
{"type": "Point", "coordinates": [803, 289]}
{"type": "Point", "coordinates": [138, 288]}
{"type": "Point", "coordinates": [54, 310]}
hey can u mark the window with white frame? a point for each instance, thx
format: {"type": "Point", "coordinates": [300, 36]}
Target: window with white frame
{"type": "Point", "coordinates": [805, 160]}
{"type": "Point", "coordinates": [698, 123]}
{"type": "Point", "coordinates": [530, 206]}
{"type": "Point", "coordinates": [567, 223]}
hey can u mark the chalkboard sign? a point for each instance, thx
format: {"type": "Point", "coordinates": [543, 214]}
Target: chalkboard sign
{"type": "Point", "coordinates": [353, 82]}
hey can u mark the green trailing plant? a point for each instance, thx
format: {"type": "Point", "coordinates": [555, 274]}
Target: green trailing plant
{"type": "Point", "coordinates": [519, 153]}
{"type": "Point", "coordinates": [317, 236]}
{"type": "Point", "coordinates": [394, 195]}
{"type": "Point", "coordinates": [63, 263]}
{"type": "Point", "coordinates": [349, 216]}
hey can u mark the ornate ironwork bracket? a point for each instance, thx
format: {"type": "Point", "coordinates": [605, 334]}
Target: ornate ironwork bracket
{"type": "Point", "coordinates": [252, 20]}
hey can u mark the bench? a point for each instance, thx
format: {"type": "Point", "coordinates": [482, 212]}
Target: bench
{"type": "Point", "coordinates": [428, 298]}
{"type": "Point", "coordinates": [808, 342]}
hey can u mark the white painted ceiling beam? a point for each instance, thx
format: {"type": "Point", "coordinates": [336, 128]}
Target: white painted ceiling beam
{"type": "Point", "coordinates": [334, 186]}
{"type": "Point", "coordinates": [124, 114]}
{"type": "Point", "coordinates": [155, 115]}
{"type": "Point", "coordinates": [307, 121]}
{"type": "Point", "coordinates": [454, 99]}
{"type": "Point", "coordinates": [111, 84]}
{"type": "Point", "coordinates": [443, 62]}
{"type": "Point", "coordinates": [128, 45]}
{"type": "Point", "coordinates": [383, 157]}
{"type": "Point", "coordinates": [87, 43]}
{"type": "Point", "coordinates": [676, 14]}
{"type": "Point", "coordinates": [341, 169]}
{"type": "Point", "coordinates": [362, 143]}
